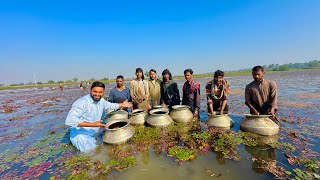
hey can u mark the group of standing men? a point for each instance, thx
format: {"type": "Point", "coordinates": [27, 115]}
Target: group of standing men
{"type": "Point", "coordinates": [85, 115]}
{"type": "Point", "coordinates": [145, 94]}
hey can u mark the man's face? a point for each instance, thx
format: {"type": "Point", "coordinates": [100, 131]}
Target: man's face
{"type": "Point", "coordinates": [119, 82]}
{"type": "Point", "coordinates": [258, 75]}
{"type": "Point", "coordinates": [97, 93]}
{"type": "Point", "coordinates": [166, 77]}
{"type": "Point", "coordinates": [219, 79]}
{"type": "Point", "coordinates": [188, 76]}
{"type": "Point", "coordinates": [139, 75]}
{"type": "Point", "coordinates": [152, 75]}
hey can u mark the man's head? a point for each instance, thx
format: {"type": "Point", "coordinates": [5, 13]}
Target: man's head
{"type": "Point", "coordinates": [258, 73]}
{"type": "Point", "coordinates": [97, 90]}
{"type": "Point", "coordinates": [166, 75]}
{"type": "Point", "coordinates": [188, 74]}
{"type": "Point", "coordinates": [119, 81]}
{"type": "Point", "coordinates": [218, 76]}
{"type": "Point", "coordinates": [139, 73]}
{"type": "Point", "coordinates": [153, 74]}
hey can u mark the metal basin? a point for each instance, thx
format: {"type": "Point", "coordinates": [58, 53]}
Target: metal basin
{"type": "Point", "coordinates": [218, 120]}
{"type": "Point", "coordinates": [117, 114]}
{"type": "Point", "coordinates": [118, 131]}
{"type": "Point", "coordinates": [181, 113]}
{"type": "Point", "coordinates": [138, 117]}
{"type": "Point", "coordinates": [259, 124]}
{"type": "Point", "coordinates": [159, 118]}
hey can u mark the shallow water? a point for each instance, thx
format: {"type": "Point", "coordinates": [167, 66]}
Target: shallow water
{"type": "Point", "coordinates": [34, 139]}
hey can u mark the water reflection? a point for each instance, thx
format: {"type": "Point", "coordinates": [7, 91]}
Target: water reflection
{"type": "Point", "coordinates": [263, 155]}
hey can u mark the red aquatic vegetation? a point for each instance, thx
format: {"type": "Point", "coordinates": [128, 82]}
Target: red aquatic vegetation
{"type": "Point", "coordinates": [36, 171]}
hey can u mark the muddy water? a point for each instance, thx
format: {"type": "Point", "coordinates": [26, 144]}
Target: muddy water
{"type": "Point", "coordinates": [33, 137]}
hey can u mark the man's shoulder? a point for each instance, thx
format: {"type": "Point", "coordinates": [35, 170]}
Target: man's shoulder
{"type": "Point", "coordinates": [113, 90]}
{"type": "Point", "coordinates": [250, 84]}
{"type": "Point", "coordinates": [83, 99]}
{"type": "Point", "coordinates": [209, 84]}
{"type": "Point", "coordinates": [196, 84]}
{"type": "Point", "coordinates": [271, 83]}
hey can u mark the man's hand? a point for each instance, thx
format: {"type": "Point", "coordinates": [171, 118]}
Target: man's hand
{"type": "Point", "coordinates": [97, 123]}
{"type": "Point", "coordinates": [163, 105]}
{"type": "Point", "coordinates": [255, 112]}
{"type": "Point", "coordinates": [221, 112]}
{"type": "Point", "coordinates": [195, 114]}
{"type": "Point", "coordinates": [272, 112]}
{"type": "Point", "coordinates": [125, 104]}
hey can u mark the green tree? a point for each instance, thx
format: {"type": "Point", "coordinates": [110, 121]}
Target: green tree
{"type": "Point", "coordinates": [39, 82]}
{"type": "Point", "coordinates": [59, 82]}
{"type": "Point", "coordinates": [284, 68]}
{"type": "Point", "coordinates": [92, 79]}
{"type": "Point", "coordinates": [50, 82]}
{"type": "Point", "coordinates": [105, 79]}
{"type": "Point", "coordinates": [75, 79]}
{"type": "Point", "coordinates": [146, 73]}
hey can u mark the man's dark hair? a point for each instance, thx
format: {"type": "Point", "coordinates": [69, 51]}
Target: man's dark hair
{"type": "Point", "coordinates": [166, 71]}
{"type": "Point", "coordinates": [257, 68]}
{"type": "Point", "coordinates": [120, 77]}
{"type": "Point", "coordinates": [153, 70]}
{"type": "Point", "coordinates": [188, 70]}
{"type": "Point", "coordinates": [140, 70]}
{"type": "Point", "coordinates": [98, 84]}
{"type": "Point", "coordinates": [218, 73]}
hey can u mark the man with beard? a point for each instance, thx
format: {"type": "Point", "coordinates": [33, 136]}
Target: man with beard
{"type": "Point", "coordinates": [191, 93]}
{"type": "Point", "coordinates": [84, 118]}
{"type": "Point", "coordinates": [261, 94]}
{"type": "Point", "coordinates": [119, 93]}
{"type": "Point", "coordinates": [217, 91]}
{"type": "Point", "coordinates": [139, 91]}
{"type": "Point", "coordinates": [169, 90]}
{"type": "Point", "coordinates": [154, 88]}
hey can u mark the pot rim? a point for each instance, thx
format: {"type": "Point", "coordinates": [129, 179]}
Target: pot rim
{"type": "Point", "coordinates": [175, 107]}
{"type": "Point", "coordinates": [257, 116]}
{"type": "Point", "coordinates": [137, 112]}
{"type": "Point", "coordinates": [116, 121]}
{"type": "Point", "coordinates": [118, 111]}
{"type": "Point", "coordinates": [218, 115]}
{"type": "Point", "coordinates": [158, 110]}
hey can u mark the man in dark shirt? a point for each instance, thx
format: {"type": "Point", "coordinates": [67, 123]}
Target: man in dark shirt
{"type": "Point", "coordinates": [261, 94]}
{"type": "Point", "coordinates": [217, 91]}
{"type": "Point", "coordinates": [169, 90]}
{"type": "Point", "coordinates": [119, 93]}
{"type": "Point", "coordinates": [191, 93]}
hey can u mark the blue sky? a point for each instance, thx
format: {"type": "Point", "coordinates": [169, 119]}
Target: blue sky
{"type": "Point", "coordinates": [60, 40]}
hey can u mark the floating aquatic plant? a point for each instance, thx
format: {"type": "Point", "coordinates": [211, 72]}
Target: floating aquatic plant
{"type": "Point", "coordinates": [182, 153]}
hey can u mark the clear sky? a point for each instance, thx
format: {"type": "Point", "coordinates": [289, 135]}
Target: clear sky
{"type": "Point", "coordinates": [60, 40]}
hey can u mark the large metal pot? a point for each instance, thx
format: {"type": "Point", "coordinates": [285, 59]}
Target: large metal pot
{"type": "Point", "coordinates": [259, 124]}
{"type": "Point", "coordinates": [118, 131]}
{"type": "Point", "coordinates": [117, 114]}
{"type": "Point", "coordinates": [138, 117]}
{"type": "Point", "coordinates": [159, 118]}
{"type": "Point", "coordinates": [181, 113]}
{"type": "Point", "coordinates": [219, 120]}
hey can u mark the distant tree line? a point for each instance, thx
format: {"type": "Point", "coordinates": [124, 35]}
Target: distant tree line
{"type": "Point", "coordinates": [315, 64]}
{"type": "Point", "coordinates": [285, 67]}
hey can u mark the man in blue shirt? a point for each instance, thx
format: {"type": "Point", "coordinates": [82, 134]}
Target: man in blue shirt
{"type": "Point", "coordinates": [119, 93]}
{"type": "Point", "coordinates": [84, 118]}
